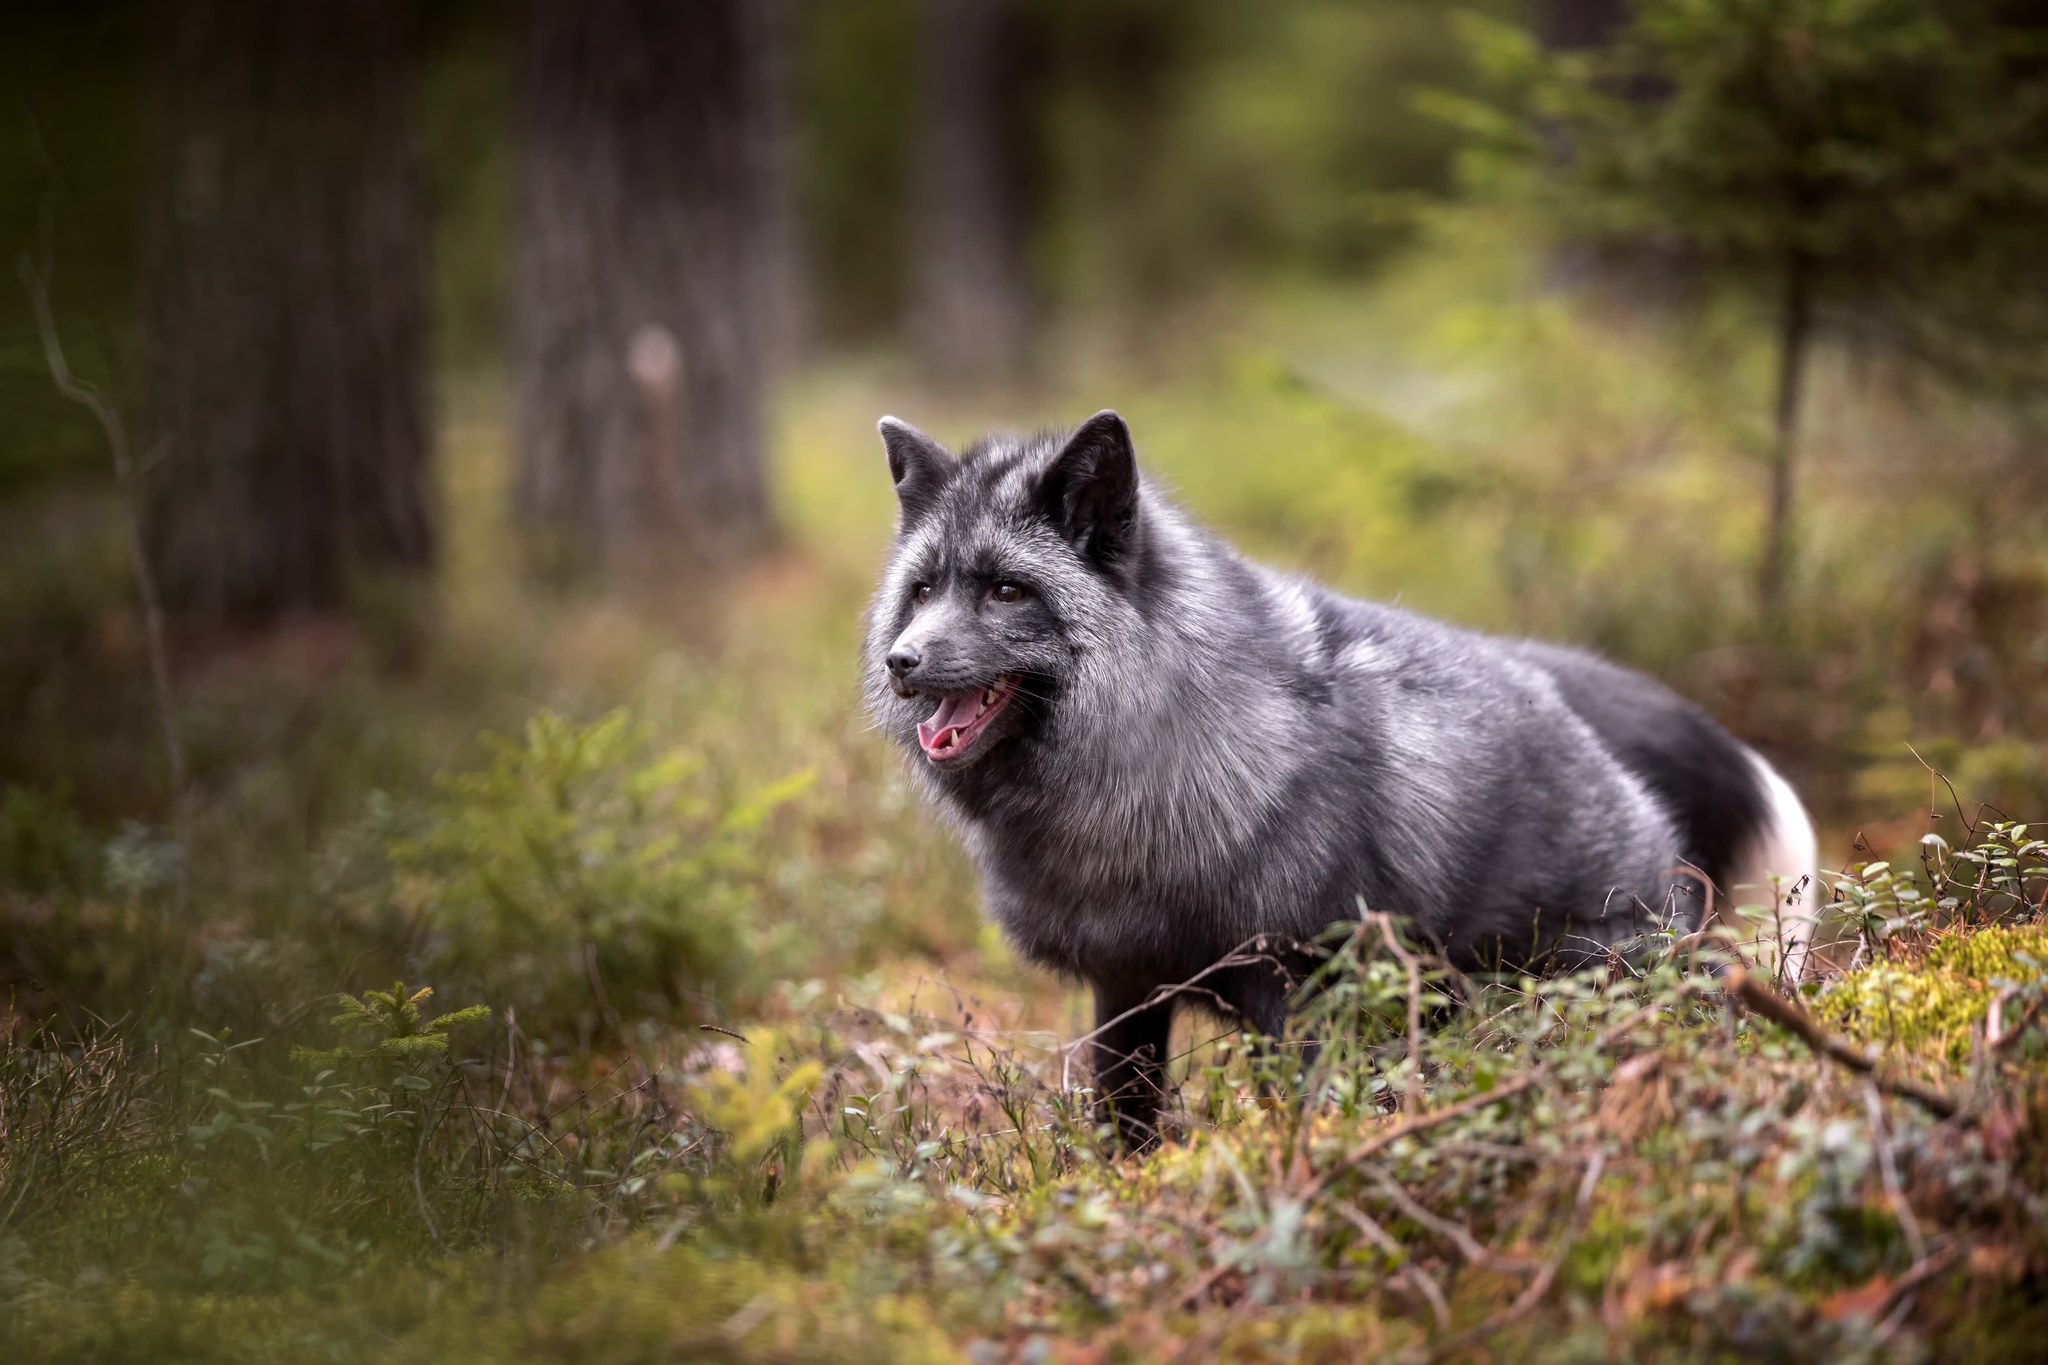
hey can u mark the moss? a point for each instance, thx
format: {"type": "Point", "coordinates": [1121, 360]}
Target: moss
{"type": "Point", "coordinates": [1935, 1006]}
{"type": "Point", "coordinates": [640, 1302]}
{"type": "Point", "coordinates": [1994, 953]}
{"type": "Point", "coordinates": [1315, 1332]}
{"type": "Point", "coordinates": [122, 1322]}
{"type": "Point", "coordinates": [634, 1302]}
{"type": "Point", "coordinates": [1598, 1252]}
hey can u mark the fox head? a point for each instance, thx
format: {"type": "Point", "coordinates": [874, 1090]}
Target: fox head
{"type": "Point", "coordinates": [1013, 563]}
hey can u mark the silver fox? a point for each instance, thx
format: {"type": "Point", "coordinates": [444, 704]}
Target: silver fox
{"type": "Point", "coordinates": [1157, 752]}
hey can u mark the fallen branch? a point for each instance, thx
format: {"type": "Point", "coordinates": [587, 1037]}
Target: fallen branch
{"type": "Point", "coordinates": [1410, 1273]}
{"type": "Point", "coordinates": [1371, 1148]}
{"type": "Point", "coordinates": [1760, 997]}
{"type": "Point", "coordinates": [1898, 1299]}
{"type": "Point", "coordinates": [1534, 1076]}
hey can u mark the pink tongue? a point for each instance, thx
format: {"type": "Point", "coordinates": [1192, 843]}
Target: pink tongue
{"type": "Point", "coordinates": [953, 714]}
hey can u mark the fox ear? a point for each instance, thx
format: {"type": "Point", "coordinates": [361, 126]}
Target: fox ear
{"type": "Point", "coordinates": [1090, 491]}
{"type": "Point", "coordinates": [919, 465]}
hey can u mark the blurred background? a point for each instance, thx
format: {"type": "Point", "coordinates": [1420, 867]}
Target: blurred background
{"type": "Point", "coordinates": [439, 484]}
{"type": "Point", "coordinates": [379, 375]}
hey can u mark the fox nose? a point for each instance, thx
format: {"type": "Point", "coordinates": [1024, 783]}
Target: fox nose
{"type": "Point", "coordinates": [902, 659]}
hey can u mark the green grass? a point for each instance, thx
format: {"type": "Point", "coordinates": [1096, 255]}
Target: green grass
{"type": "Point", "coordinates": [682, 822]}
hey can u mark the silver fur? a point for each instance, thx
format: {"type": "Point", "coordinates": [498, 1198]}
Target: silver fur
{"type": "Point", "coordinates": [1209, 752]}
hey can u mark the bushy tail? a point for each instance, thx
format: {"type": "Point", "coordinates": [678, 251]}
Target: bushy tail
{"type": "Point", "coordinates": [1775, 890]}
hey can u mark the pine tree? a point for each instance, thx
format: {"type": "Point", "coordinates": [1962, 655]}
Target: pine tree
{"type": "Point", "coordinates": [1865, 165]}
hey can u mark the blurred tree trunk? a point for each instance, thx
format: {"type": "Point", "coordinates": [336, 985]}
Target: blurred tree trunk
{"type": "Point", "coordinates": [785, 278]}
{"type": "Point", "coordinates": [644, 289]}
{"type": "Point", "coordinates": [286, 385]}
{"type": "Point", "coordinates": [971, 310]}
{"type": "Point", "coordinates": [1574, 25]}
{"type": "Point", "coordinates": [1122, 58]}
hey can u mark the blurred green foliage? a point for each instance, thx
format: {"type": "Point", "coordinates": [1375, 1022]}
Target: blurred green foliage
{"type": "Point", "coordinates": [868, 1179]}
{"type": "Point", "coordinates": [72, 172]}
{"type": "Point", "coordinates": [1880, 155]}
{"type": "Point", "coordinates": [1937, 948]}
{"type": "Point", "coordinates": [877, 1148]}
{"type": "Point", "coordinates": [593, 878]}
{"type": "Point", "coordinates": [390, 1028]}
{"type": "Point", "coordinates": [1176, 148]}
{"type": "Point", "coordinates": [857, 88]}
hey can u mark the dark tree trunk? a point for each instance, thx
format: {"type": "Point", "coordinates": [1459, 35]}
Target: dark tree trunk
{"type": "Point", "coordinates": [1795, 327]}
{"type": "Point", "coordinates": [287, 375]}
{"type": "Point", "coordinates": [643, 289]}
{"type": "Point", "coordinates": [1574, 25]}
{"type": "Point", "coordinates": [971, 311]}
{"type": "Point", "coordinates": [784, 276]}
{"type": "Point", "coordinates": [1123, 59]}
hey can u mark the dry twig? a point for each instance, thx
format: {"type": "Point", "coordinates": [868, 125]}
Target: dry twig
{"type": "Point", "coordinates": [1456, 1233]}
{"type": "Point", "coordinates": [1459, 1345]}
{"type": "Point", "coordinates": [1421, 1123]}
{"type": "Point", "coordinates": [1411, 1099]}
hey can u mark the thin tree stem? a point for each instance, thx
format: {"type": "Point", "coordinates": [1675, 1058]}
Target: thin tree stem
{"type": "Point", "coordinates": [36, 282]}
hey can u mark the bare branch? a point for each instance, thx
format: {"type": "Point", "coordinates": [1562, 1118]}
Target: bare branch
{"type": "Point", "coordinates": [1457, 1347]}
{"type": "Point", "coordinates": [36, 283]}
{"type": "Point", "coordinates": [1421, 1123]}
{"type": "Point", "coordinates": [1457, 1234]}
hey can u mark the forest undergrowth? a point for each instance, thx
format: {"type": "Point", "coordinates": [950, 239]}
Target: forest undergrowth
{"type": "Point", "coordinates": [1656, 1160]}
{"type": "Point", "coordinates": [662, 1024]}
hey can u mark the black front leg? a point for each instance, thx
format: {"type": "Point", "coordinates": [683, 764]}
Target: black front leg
{"type": "Point", "coordinates": [1258, 994]}
{"type": "Point", "coordinates": [1129, 1055]}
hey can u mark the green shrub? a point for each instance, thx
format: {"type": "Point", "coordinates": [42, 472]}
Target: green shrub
{"type": "Point", "coordinates": [593, 879]}
{"type": "Point", "coordinates": [44, 846]}
{"type": "Point", "coordinates": [394, 1027]}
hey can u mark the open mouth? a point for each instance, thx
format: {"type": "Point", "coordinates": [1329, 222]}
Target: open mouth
{"type": "Point", "coordinates": [957, 726]}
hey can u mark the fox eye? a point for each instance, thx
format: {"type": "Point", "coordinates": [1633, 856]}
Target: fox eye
{"type": "Point", "coordinates": [1007, 592]}
{"type": "Point", "coordinates": [921, 593]}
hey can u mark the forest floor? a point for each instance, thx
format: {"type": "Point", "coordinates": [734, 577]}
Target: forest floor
{"type": "Point", "coordinates": [720, 1061]}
